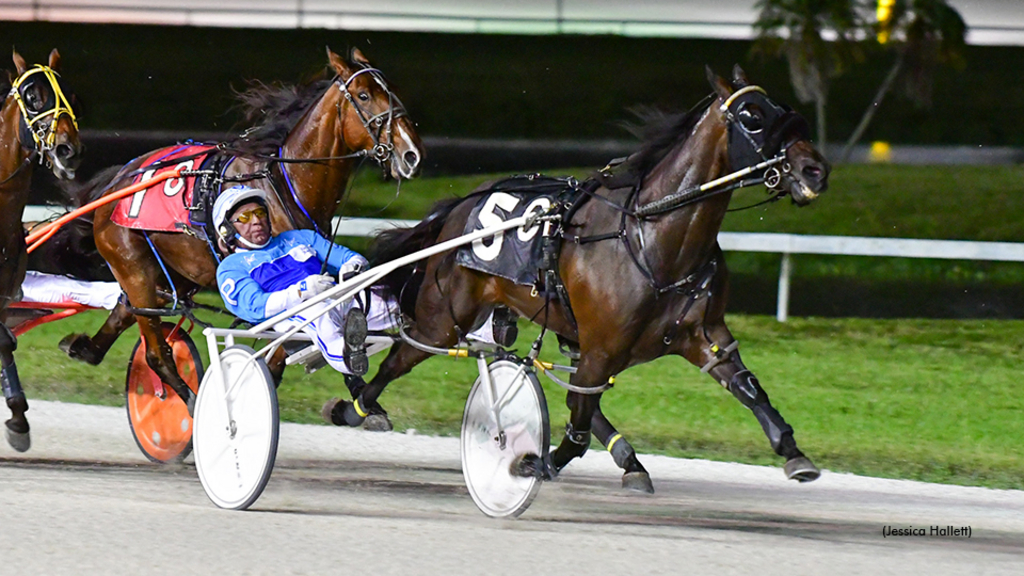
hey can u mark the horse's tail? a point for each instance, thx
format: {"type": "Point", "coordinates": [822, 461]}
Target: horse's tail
{"type": "Point", "coordinates": [72, 249]}
{"type": "Point", "coordinates": [78, 194]}
{"type": "Point", "coordinates": [389, 245]}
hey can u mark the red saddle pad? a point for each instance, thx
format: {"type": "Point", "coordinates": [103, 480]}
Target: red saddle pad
{"type": "Point", "coordinates": [162, 206]}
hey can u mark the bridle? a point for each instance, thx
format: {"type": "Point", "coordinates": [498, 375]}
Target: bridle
{"type": "Point", "coordinates": [759, 148]}
{"type": "Point", "coordinates": [374, 124]}
{"type": "Point", "coordinates": [44, 137]}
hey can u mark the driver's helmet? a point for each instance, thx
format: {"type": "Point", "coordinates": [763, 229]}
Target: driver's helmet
{"type": "Point", "coordinates": [228, 201]}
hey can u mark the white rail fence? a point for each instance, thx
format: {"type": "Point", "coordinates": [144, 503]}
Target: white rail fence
{"type": "Point", "coordinates": [785, 244]}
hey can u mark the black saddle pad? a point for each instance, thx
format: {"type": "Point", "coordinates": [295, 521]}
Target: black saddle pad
{"type": "Point", "coordinates": [515, 254]}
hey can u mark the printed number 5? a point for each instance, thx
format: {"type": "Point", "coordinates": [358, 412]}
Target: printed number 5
{"type": "Point", "coordinates": [489, 217]}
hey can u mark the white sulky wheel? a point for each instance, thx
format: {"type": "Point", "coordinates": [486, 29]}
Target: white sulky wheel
{"type": "Point", "coordinates": [235, 435]}
{"type": "Point", "coordinates": [505, 418]}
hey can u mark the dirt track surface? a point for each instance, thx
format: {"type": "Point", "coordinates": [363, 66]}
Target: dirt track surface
{"type": "Point", "coordinates": [85, 501]}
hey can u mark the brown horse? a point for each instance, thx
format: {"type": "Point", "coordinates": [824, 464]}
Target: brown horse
{"type": "Point", "coordinates": [303, 152]}
{"type": "Point", "coordinates": [37, 122]}
{"type": "Point", "coordinates": [641, 267]}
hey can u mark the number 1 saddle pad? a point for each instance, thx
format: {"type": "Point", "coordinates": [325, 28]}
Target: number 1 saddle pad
{"type": "Point", "coordinates": [164, 206]}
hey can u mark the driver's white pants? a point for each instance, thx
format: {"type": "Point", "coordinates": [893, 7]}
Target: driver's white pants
{"type": "Point", "coordinates": [57, 289]}
{"type": "Point", "coordinates": [382, 314]}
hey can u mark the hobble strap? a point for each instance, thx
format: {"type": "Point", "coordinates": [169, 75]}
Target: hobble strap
{"type": "Point", "coordinates": [721, 355]}
{"type": "Point", "coordinates": [580, 438]}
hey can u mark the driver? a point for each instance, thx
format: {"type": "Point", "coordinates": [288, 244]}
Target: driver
{"type": "Point", "coordinates": [265, 275]}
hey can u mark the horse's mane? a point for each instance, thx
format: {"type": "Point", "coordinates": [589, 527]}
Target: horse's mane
{"type": "Point", "coordinates": [660, 132]}
{"type": "Point", "coordinates": [273, 110]}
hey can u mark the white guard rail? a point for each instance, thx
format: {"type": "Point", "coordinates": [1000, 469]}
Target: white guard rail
{"type": "Point", "coordinates": [785, 244]}
{"type": "Point", "coordinates": [789, 244]}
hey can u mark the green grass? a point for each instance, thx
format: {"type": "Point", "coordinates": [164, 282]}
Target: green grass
{"type": "Point", "coordinates": [932, 400]}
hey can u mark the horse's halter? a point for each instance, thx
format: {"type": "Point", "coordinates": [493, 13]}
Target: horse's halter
{"type": "Point", "coordinates": [378, 126]}
{"type": "Point", "coordinates": [44, 137]}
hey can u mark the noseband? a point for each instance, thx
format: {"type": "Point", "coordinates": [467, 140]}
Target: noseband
{"type": "Point", "coordinates": [43, 137]}
{"type": "Point", "coordinates": [376, 123]}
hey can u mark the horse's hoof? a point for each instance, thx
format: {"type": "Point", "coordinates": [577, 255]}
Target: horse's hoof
{"type": "Point", "coordinates": [76, 346]}
{"type": "Point", "coordinates": [328, 412]}
{"type": "Point", "coordinates": [801, 469]}
{"type": "Point", "coordinates": [638, 482]}
{"type": "Point", "coordinates": [20, 441]}
{"type": "Point", "coordinates": [377, 423]}
{"type": "Point", "coordinates": [527, 466]}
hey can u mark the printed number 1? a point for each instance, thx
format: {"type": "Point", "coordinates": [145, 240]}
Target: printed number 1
{"type": "Point", "coordinates": [489, 217]}
{"type": "Point", "coordinates": [136, 206]}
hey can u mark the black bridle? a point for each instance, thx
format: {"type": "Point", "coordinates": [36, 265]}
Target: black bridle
{"type": "Point", "coordinates": [760, 133]}
{"type": "Point", "coordinates": [377, 126]}
{"type": "Point", "coordinates": [761, 148]}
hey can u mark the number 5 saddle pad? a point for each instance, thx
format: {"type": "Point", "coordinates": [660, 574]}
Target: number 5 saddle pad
{"type": "Point", "coordinates": [514, 254]}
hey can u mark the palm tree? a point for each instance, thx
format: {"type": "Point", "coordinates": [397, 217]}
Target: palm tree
{"type": "Point", "coordinates": [924, 34]}
{"type": "Point", "coordinates": [818, 39]}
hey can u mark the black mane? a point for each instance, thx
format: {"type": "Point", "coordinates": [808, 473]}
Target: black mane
{"type": "Point", "coordinates": [274, 110]}
{"type": "Point", "coordinates": [660, 132]}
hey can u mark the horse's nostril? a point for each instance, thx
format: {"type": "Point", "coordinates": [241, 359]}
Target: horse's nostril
{"type": "Point", "coordinates": [411, 159]}
{"type": "Point", "coordinates": [63, 151]}
{"type": "Point", "coordinates": [812, 172]}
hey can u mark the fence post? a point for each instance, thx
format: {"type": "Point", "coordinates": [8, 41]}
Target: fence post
{"type": "Point", "coordinates": [782, 309]}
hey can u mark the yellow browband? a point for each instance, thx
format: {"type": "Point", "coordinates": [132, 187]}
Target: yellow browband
{"type": "Point", "coordinates": [60, 107]}
{"type": "Point", "coordinates": [741, 92]}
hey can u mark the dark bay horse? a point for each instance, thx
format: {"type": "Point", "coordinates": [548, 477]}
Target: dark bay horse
{"type": "Point", "coordinates": [641, 266]}
{"type": "Point", "coordinates": [37, 123]}
{"type": "Point", "coordinates": [304, 150]}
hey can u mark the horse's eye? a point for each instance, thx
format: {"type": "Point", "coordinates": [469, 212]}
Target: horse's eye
{"type": "Point", "coordinates": [364, 96]}
{"type": "Point", "coordinates": [751, 118]}
{"type": "Point", "coordinates": [33, 101]}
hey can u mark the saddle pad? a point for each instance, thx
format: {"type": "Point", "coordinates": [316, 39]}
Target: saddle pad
{"type": "Point", "coordinates": [515, 254]}
{"type": "Point", "coordinates": [163, 206]}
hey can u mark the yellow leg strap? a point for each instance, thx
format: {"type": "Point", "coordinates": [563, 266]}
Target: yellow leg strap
{"type": "Point", "coordinates": [360, 411]}
{"type": "Point", "coordinates": [614, 439]}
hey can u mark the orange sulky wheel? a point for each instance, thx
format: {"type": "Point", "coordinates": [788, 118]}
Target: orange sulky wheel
{"type": "Point", "coordinates": [161, 425]}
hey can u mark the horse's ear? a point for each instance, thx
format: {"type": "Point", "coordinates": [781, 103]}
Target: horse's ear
{"type": "Point", "coordinates": [19, 63]}
{"type": "Point", "coordinates": [55, 60]}
{"type": "Point", "coordinates": [739, 77]}
{"type": "Point", "coordinates": [340, 66]}
{"type": "Point", "coordinates": [357, 56]}
{"type": "Point", "coordinates": [720, 86]}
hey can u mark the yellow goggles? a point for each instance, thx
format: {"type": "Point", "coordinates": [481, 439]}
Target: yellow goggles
{"type": "Point", "coordinates": [248, 215]}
